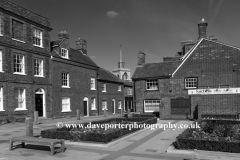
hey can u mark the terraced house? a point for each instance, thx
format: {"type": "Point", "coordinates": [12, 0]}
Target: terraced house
{"type": "Point", "coordinates": [201, 79]}
{"type": "Point", "coordinates": [25, 84]}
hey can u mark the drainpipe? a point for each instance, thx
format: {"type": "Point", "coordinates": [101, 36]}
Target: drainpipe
{"type": "Point", "coordinates": [134, 97]}
{"type": "Point", "coordinates": [98, 93]}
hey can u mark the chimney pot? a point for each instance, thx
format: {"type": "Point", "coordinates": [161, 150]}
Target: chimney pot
{"type": "Point", "coordinates": [81, 45]}
{"type": "Point", "coordinates": [141, 58]}
{"type": "Point", "coordinates": [202, 29]}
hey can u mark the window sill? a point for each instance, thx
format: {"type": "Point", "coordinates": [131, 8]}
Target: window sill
{"type": "Point", "coordinates": [20, 73]}
{"type": "Point", "coordinates": [19, 109]}
{"type": "Point", "coordinates": [37, 46]}
{"type": "Point", "coordinates": [94, 109]}
{"type": "Point", "coordinates": [150, 111]}
{"type": "Point", "coordinates": [3, 109]}
{"type": "Point", "coordinates": [65, 57]}
{"type": "Point", "coordinates": [18, 40]}
{"type": "Point", "coordinates": [104, 109]}
{"type": "Point", "coordinates": [104, 91]}
{"type": "Point", "coordinates": [119, 91]}
{"type": "Point", "coordinates": [65, 87]}
{"type": "Point", "coordinates": [38, 76]}
{"type": "Point", "coordinates": [2, 71]}
{"type": "Point", "coordinates": [67, 111]}
{"type": "Point", "coordinates": [93, 89]}
{"type": "Point", "coordinates": [1, 35]}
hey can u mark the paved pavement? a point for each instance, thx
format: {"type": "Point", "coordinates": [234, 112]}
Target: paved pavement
{"type": "Point", "coordinates": [146, 145]}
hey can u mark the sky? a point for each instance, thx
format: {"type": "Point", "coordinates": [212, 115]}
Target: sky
{"type": "Point", "coordinates": [155, 27]}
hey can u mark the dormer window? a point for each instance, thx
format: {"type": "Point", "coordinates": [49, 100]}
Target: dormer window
{"type": "Point", "coordinates": [64, 53]}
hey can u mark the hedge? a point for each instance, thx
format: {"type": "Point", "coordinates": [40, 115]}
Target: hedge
{"type": "Point", "coordinates": [208, 145]}
{"type": "Point", "coordinates": [220, 116]}
{"type": "Point", "coordinates": [96, 135]}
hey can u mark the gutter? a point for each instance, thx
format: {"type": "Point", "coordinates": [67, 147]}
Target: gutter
{"type": "Point", "coordinates": [98, 92]}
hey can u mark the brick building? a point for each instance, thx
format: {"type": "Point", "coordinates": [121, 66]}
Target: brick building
{"type": "Point", "coordinates": [25, 84]}
{"type": "Point", "coordinates": [201, 79]}
{"type": "Point", "coordinates": [74, 77]}
{"type": "Point", "coordinates": [111, 93]}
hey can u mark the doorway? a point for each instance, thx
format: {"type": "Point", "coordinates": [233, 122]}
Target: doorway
{"type": "Point", "coordinates": [85, 107]}
{"type": "Point", "coordinates": [40, 102]}
{"type": "Point", "coordinates": [113, 106]}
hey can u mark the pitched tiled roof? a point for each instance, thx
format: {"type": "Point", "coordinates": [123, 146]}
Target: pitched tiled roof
{"type": "Point", "coordinates": [77, 56]}
{"type": "Point", "coordinates": [54, 43]}
{"type": "Point", "coordinates": [151, 70]}
{"type": "Point", "coordinates": [108, 76]}
{"type": "Point", "coordinates": [127, 83]}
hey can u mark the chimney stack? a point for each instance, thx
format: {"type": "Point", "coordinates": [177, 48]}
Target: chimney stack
{"type": "Point", "coordinates": [141, 58]}
{"type": "Point", "coordinates": [81, 45]}
{"type": "Point", "coordinates": [64, 35]}
{"type": "Point", "coordinates": [202, 29]}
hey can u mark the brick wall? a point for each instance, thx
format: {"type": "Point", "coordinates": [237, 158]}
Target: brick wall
{"type": "Point", "coordinates": [9, 47]}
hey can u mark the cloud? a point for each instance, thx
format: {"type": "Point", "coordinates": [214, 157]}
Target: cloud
{"type": "Point", "coordinates": [214, 7]}
{"type": "Point", "coordinates": [112, 14]}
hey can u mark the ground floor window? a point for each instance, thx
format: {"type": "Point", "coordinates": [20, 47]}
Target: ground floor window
{"type": "Point", "coordinates": [66, 104]}
{"type": "Point", "coordinates": [151, 105]}
{"type": "Point", "coordinates": [104, 105]}
{"type": "Point", "coordinates": [1, 99]}
{"type": "Point", "coordinates": [93, 104]}
{"type": "Point", "coordinates": [119, 104]}
{"type": "Point", "coordinates": [21, 98]}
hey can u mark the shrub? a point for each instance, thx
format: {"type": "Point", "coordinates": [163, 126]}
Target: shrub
{"type": "Point", "coordinates": [96, 135]}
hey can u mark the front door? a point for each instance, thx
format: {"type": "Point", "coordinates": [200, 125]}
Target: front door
{"type": "Point", "coordinates": [39, 104]}
{"type": "Point", "coordinates": [85, 108]}
{"type": "Point", "coordinates": [113, 105]}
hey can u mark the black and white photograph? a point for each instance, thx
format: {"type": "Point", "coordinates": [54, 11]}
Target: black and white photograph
{"type": "Point", "coordinates": [119, 80]}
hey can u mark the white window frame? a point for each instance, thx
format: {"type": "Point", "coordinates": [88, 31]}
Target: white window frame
{"type": "Point", "coordinates": [64, 53]}
{"type": "Point", "coordinates": [38, 67]}
{"type": "Point", "coordinates": [68, 104]}
{"type": "Point", "coordinates": [93, 104]}
{"type": "Point", "coordinates": [155, 104]}
{"type": "Point", "coordinates": [37, 34]}
{"type": "Point", "coordinates": [191, 83]}
{"type": "Point", "coordinates": [21, 66]}
{"type": "Point", "coordinates": [104, 87]}
{"type": "Point", "coordinates": [21, 99]}
{"type": "Point", "coordinates": [93, 84]}
{"type": "Point", "coordinates": [1, 61]}
{"type": "Point", "coordinates": [152, 84]}
{"type": "Point", "coordinates": [1, 99]}
{"type": "Point", "coordinates": [104, 105]}
{"type": "Point", "coordinates": [119, 88]}
{"type": "Point", "coordinates": [119, 104]}
{"type": "Point", "coordinates": [65, 80]}
{"type": "Point", "coordinates": [129, 91]}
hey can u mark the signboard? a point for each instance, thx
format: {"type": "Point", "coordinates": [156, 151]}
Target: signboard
{"type": "Point", "coordinates": [214, 91]}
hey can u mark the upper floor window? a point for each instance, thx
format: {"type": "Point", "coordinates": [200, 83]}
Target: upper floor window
{"type": "Point", "coordinates": [152, 84]}
{"type": "Point", "coordinates": [104, 88]}
{"type": "Point", "coordinates": [129, 91]}
{"type": "Point", "coordinates": [38, 67]}
{"type": "Point", "coordinates": [21, 99]}
{"type": "Point", "coordinates": [1, 25]}
{"type": "Point", "coordinates": [1, 61]}
{"type": "Point", "coordinates": [66, 104]}
{"type": "Point", "coordinates": [190, 83]}
{"type": "Point", "coordinates": [37, 37]}
{"type": "Point", "coordinates": [65, 79]}
{"type": "Point", "coordinates": [18, 64]}
{"type": "Point", "coordinates": [93, 86]}
{"type": "Point", "coordinates": [64, 53]}
{"type": "Point", "coordinates": [93, 104]}
{"type": "Point", "coordinates": [1, 99]}
{"type": "Point", "coordinates": [119, 88]}
{"type": "Point", "coordinates": [104, 105]}
{"type": "Point", "coordinates": [17, 30]}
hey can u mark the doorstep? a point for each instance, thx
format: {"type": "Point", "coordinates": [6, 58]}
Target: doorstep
{"type": "Point", "coordinates": [201, 154]}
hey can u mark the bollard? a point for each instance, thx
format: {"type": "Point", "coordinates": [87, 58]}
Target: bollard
{"type": "Point", "coordinates": [105, 112]}
{"type": "Point", "coordinates": [29, 127]}
{"type": "Point", "coordinates": [36, 117]}
{"type": "Point", "coordinates": [78, 114]}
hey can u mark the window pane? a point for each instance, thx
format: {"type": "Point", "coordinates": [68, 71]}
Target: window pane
{"type": "Point", "coordinates": [17, 30]}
